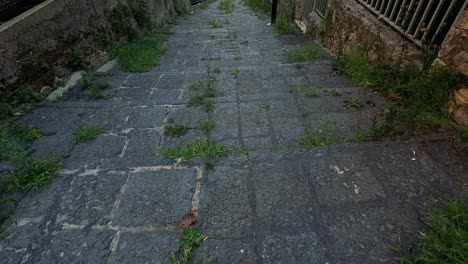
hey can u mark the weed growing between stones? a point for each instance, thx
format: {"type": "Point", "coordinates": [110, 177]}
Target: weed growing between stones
{"type": "Point", "coordinates": [445, 238]}
{"type": "Point", "coordinates": [321, 138]}
{"type": "Point", "coordinates": [208, 166]}
{"type": "Point", "coordinates": [204, 90]}
{"type": "Point", "coordinates": [226, 6]}
{"type": "Point", "coordinates": [87, 133]}
{"type": "Point", "coordinates": [190, 239]}
{"type": "Point", "coordinates": [417, 98]}
{"type": "Point", "coordinates": [333, 92]}
{"type": "Point", "coordinates": [264, 106]}
{"type": "Point", "coordinates": [33, 67]}
{"type": "Point", "coordinates": [175, 130]}
{"type": "Point", "coordinates": [283, 27]}
{"type": "Point", "coordinates": [304, 89]}
{"type": "Point", "coordinates": [95, 87]}
{"type": "Point", "coordinates": [353, 103]}
{"type": "Point", "coordinates": [302, 54]}
{"type": "Point", "coordinates": [207, 125]}
{"type": "Point", "coordinates": [27, 96]}
{"type": "Point", "coordinates": [216, 24]}
{"type": "Point", "coordinates": [237, 58]}
{"type": "Point", "coordinates": [76, 59]}
{"type": "Point", "coordinates": [200, 148]}
{"type": "Point", "coordinates": [235, 72]}
{"type": "Point", "coordinates": [28, 173]}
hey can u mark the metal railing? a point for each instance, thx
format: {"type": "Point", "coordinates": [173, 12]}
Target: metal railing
{"type": "Point", "coordinates": [319, 6]}
{"type": "Point", "coordinates": [425, 22]}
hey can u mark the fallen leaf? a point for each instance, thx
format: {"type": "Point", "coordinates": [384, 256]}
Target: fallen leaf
{"type": "Point", "coordinates": [187, 220]}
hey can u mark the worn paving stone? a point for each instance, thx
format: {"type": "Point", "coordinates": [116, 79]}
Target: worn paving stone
{"type": "Point", "coordinates": [90, 199]}
{"type": "Point", "coordinates": [156, 198]}
{"type": "Point", "coordinates": [151, 247]}
{"type": "Point", "coordinates": [78, 246]}
{"type": "Point", "coordinates": [146, 117]}
{"type": "Point", "coordinates": [227, 251]}
{"type": "Point", "coordinates": [224, 204]}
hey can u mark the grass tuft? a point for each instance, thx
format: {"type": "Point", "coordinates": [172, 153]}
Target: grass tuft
{"type": "Point", "coordinates": [190, 239]}
{"type": "Point", "coordinates": [321, 138]}
{"type": "Point", "coordinates": [259, 6]}
{"type": "Point", "coordinates": [95, 87]}
{"type": "Point", "coordinates": [305, 89]}
{"type": "Point", "coordinates": [283, 27]}
{"type": "Point", "coordinates": [202, 147]}
{"type": "Point", "coordinates": [215, 24]}
{"type": "Point", "coordinates": [226, 6]}
{"type": "Point", "coordinates": [303, 54]}
{"type": "Point", "coordinates": [175, 130]}
{"type": "Point", "coordinates": [353, 102]}
{"type": "Point", "coordinates": [208, 125]}
{"type": "Point", "coordinates": [235, 72]}
{"type": "Point", "coordinates": [87, 133]}
{"type": "Point", "coordinates": [446, 237]}
{"type": "Point", "coordinates": [334, 92]}
{"type": "Point", "coordinates": [142, 54]}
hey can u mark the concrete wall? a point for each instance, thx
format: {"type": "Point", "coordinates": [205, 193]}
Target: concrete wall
{"type": "Point", "coordinates": [41, 33]}
{"type": "Point", "coordinates": [454, 50]}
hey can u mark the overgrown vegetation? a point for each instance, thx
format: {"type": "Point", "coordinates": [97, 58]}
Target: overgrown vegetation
{"type": "Point", "coordinates": [95, 87]}
{"type": "Point", "coordinates": [200, 148]}
{"type": "Point", "coordinates": [87, 133]}
{"type": "Point", "coordinates": [283, 27]}
{"type": "Point", "coordinates": [446, 238]}
{"type": "Point", "coordinates": [216, 24]}
{"type": "Point", "coordinates": [226, 6]}
{"type": "Point", "coordinates": [175, 130]}
{"type": "Point", "coordinates": [304, 89]}
{"type": "Point", "coordinates": [417, 97]}
{"type": "Point", "coordinates": [190, 239]}
{"type": "Point", "coordinates": [302, 54]}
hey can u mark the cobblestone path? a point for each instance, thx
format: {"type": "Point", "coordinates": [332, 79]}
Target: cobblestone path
{"type": "Point", "coordinates": [117, 201]}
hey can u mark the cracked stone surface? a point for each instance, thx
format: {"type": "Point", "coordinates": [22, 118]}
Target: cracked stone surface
{"type": "Point", "coordinates": [118, 201]}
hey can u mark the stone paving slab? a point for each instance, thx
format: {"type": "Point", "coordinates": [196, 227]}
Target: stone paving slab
{"type": "Point", "coordinates": [118, 201]}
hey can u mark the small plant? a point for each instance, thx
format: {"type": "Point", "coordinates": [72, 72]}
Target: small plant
{"type": "Point", "coordinates": [359, 134]}
{"type": "Point", "coordinates": [217, 70]}
{"type": "Point", "coordinates": [265, 106]}
{"type": "Point", "coordinates": [305, 89]}
{"type": "Point", "coordinates": [87, 133]}
{"type": "Point", "coordinates": [27, 95]}
{"type": "Point", "coordinates": [205, 4]}
{"type": "Point", "coordinates": [33, 67]}
{"type": "Point", "coordinates": [303, 54]}
{"type": "Point", "coordinates": [445, 238]}
{"type": "Point", "coordinates": [202, 147]}
{"type": "Point", "coordinates": [76, 59]}
{"type": "Point", "coordinates": [26, 133]}
{"type": "Point", "coordinates": [208, 166]}
{"type": "Point", "coordinates": [175, 130]}
{"type": "Point", "coordinates": [226, 6]}
{"type": "Point", "coordinates": [333, 92]}
{"type": "Point", "coordinates": [321, 138]}
{"type": "Point", "coordinates": [237, 58]}
{"type": "Point", "coordinates": [258, 6]}
{"type": "Point", "coordinates": [6, 111]}
{"type": "Point", "coordinates": [208, 125]}
{"type": "Point", "coordinates": [190, 239]}
{"type": "Point", "coordinates": [121, 22]}
{"type": "Point", "coordinates": [215, 24]}
{"type": "Point", "coordinates": [141, 15]}
{"type": "Point", "coordinates": [204, 90]}
{"type": "Point", "coordinates": [283, 27]}
{"type": "Point", "coordinates": [235, 72]}
{"type": "Point", "coordinates": [354, 102]}
{"type": "Point", "coordinates": [95, 87]}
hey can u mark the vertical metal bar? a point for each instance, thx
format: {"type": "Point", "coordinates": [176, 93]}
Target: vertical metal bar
{"type": "Point", "coordinates": [442, 22]}
{"type": "Point", "coordinates": [415, 15]}
{"type": "Point", "coordinates": [423, 18]}
{"type": "Point", "coordinates": [434, 16]}
{"type": "Point", "coordinates": [407, 15]}
{"type": "Point", "coordinates": [395, 8]}
{"type": "Point", "coordinates": [402, 8]}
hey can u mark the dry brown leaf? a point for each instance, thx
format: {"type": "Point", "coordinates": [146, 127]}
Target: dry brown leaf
{"type": "Point", "coordinates": [187, 220]}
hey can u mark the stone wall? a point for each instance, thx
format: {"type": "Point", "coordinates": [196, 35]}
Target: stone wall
{"type": "Point", "coordinates": [49, 32]}
{"type": "Point", "coordinates": [454, 50]}
{"type": "Point", "coordinates": [349, 24]}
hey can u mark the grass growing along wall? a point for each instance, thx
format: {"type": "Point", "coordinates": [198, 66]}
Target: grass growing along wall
{"type": "Point", "coordinates": [417, 97]}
